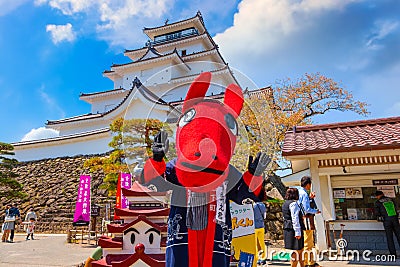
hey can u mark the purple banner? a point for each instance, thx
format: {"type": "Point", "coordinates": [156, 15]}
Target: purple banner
{"type": "Point", "coordinates": [82, 208]}
{"type": "Point", "coordinates": [126, 182]}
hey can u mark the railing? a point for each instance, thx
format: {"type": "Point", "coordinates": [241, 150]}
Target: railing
{"type": "Point", "coordinates": [174, 36]}
{"type": "Point", "coordinates": [46, 227]}
{"type": "Point", "coordinates": [76, 235]}
{"type": "Point", "coordinates": [83, 236]}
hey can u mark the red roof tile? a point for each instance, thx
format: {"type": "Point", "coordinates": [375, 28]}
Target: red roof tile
{"type": "Point", "coordinates": [100, 263]}
{"type": "Point", "coordinates": [343, 137]}
{"type": "Point", "coordinates": [148, 213]}
{"type": "Point", "coordinates": [109, 260]}
{"type": "Point", "coordinates": [120, 228]}
{"type": "Point", "coordinates": [152, 260]}
{"type": "Point", "coordinates": [108, 242]}
{"type": "Point", "coordinates": [133, 192]}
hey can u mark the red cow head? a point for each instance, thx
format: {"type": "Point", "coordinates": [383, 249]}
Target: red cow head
{"type": "Point", "coordinates": [206, 135]}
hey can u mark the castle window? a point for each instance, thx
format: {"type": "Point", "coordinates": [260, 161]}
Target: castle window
{"type": "Point", "coordinates": [175, 35]}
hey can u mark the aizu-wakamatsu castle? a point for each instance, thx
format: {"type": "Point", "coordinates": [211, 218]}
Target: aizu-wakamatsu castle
{"type": "Point", "coordinates": [151, 85]}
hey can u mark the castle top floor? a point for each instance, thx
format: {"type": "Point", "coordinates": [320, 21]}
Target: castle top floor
{"type": "Point", "coordinates": [176, 30]}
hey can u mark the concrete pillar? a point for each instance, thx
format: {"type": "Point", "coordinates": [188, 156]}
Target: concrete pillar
{"type": "Point", "coordinates": [318, 186]}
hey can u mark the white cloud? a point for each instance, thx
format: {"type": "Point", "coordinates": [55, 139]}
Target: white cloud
{"type": "Point", "coordinates": [353, 42]}
{"type": "Point", "coordinates": [121, 24]}
{"type": "Point", "coordinates": [60, 33]}
{"type": "Point", "coordinates": [276, 39]}
{"type": "Point", "coordinates": [261, 24]}
{"type": "Point", "coordinates": [383, 29]}
{"type": "Point", "coordinates": [68, 7]}
{"type": "Point", "coordinates": [40, 133]}
{"type": "Point", "coordinates": [7, 6]}
{"type": "Point", "coordinates": [40, 2]}
{"type": "Point", "coordinates": [50, 102]}
{"type": "Point", "coordinates": [113, 14]}
{"type": "Point", "coordinates": [118, 22]}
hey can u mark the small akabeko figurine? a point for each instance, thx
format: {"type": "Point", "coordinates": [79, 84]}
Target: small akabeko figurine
{"type": "Point", "coordinates": [202, 180]}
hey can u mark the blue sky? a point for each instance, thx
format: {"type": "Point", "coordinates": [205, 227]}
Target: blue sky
{"type": "Point", "coordinates": [52, 50]}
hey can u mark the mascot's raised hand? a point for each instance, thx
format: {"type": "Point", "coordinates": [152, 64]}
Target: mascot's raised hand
{"type": "Point", "coordinates": [156, 166]}
{"type": "Point", "coordinates": [260, 163]}
{"type": "Point", "coordinates": [255, 168]}
{"type": "Point", "coordinates": [160, 146]}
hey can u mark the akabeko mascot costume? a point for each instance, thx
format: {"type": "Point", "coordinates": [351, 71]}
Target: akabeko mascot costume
{"type": "Point", "coordinates": [203, 182]}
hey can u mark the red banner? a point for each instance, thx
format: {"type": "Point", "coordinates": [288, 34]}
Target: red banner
{"type": "Point", "coordinates": [124, 181]}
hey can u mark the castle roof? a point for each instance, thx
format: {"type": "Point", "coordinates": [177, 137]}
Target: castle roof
{"type": "Point", "coordinates": [65, 138]}
{"type": "Point", "coordinates": [196, 21]}
{"type": "Point", "coordinates": [91, 97]}
{"type": "Point", "coordinates": [107, 92]}
{"type": "Point", "coordinates": [174, 55]}
{"type": "Point", "coordinates": [132, 52]}
{"type": "Point", "coordinates": [89, 116]}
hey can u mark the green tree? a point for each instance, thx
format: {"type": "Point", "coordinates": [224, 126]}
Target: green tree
{"type": "Point", "coordinates": [131, 139]}
{"type": "Point", "coordinates": [9, 186]}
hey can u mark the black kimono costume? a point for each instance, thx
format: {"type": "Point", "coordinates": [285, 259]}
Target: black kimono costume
{"type": "Point", "coordinates": [177, 240]}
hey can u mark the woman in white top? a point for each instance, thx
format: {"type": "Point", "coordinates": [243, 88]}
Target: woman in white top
{"type": "Point", "coordinates": [293, 226]}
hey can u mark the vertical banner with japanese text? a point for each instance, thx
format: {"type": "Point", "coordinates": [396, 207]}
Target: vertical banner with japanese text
{"type": "Point", "coordinates": [82, 207]}
{"type": "Point", "coordinates": [124, 181]}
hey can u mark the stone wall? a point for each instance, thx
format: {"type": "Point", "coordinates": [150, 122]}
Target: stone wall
{"type": "Point", "coordinates": [274, 222]}
{"type": "Point", "coordinates": [274, 219]}
{"type": "Point", "coordinates": [52, 186]}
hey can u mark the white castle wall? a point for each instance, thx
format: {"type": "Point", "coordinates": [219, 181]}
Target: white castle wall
{"type": "Point", "coordinates": [81, 128]}
{"type": "Point", "coordinates": [76, 147]}
{"type": "Point", "coordinates": [106, 104]}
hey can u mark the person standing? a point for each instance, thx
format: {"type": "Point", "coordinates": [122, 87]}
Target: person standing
{"type": "Point", "coordinates": [385, 210]}
{"type": "Point", "coordinates": [30, 227]}
{"type": "Point", "coordinates": [306, 199]}
{"type": "Point", "coordinates": [260, 212]}
{"type": "Point", "coordinates": [30, 219]}
{"type": "Point", "coordinates": [7, 225]}
{"type": "Point", "coordinates": [14, 212]}
{"type": "Point", "coordinates": [293, 226]}
{"type": "Point", "coordinates": [29, 215]}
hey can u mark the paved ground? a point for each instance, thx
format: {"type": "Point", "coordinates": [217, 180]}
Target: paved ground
{"type": "Point", "coordinates": [45, 250]}
{"type": "Point", "coordinates": [52, 250]}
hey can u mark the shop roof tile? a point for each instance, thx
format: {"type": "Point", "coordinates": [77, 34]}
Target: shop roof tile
{"type": "Point", "coordinates": [362, 135]}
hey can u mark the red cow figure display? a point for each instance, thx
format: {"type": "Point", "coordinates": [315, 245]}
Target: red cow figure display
{"type": "Point", "coordinates": [203, 181]}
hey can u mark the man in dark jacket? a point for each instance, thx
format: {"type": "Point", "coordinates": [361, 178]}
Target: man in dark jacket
{"type": "Point", "coordinates": [14, 211]}
{"type": "Point", "coordinates": [385, 210]}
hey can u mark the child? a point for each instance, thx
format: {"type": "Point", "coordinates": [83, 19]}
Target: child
{"type": "Point", "coordinates": [30, 226]}
{"type": "Point", "coordinates": [7, 225]}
